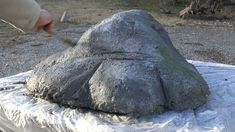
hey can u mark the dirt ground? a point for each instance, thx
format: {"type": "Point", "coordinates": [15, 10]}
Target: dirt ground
{"type": "Point", "coordinates": [212, 41]}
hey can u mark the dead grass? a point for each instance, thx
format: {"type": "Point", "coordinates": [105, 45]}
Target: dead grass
{"type": "Point", "coordinates": [88, 12]}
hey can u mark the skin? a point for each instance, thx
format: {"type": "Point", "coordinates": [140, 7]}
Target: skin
{"type": "Point", "coordinates": [45, 22]}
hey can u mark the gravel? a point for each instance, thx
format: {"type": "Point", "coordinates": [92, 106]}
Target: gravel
{"type": "Point", "coordinates": [21, 52]}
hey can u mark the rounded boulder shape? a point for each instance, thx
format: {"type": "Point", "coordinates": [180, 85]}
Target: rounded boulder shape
{"type": "Point", "coordinates": [124, 65]}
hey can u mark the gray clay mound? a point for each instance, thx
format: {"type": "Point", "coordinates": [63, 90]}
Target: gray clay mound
{"type": "Point", "coordinates": [125, 65]}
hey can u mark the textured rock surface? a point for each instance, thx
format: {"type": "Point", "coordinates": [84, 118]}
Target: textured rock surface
{"type": "Point", "coordinates": [127, 65]}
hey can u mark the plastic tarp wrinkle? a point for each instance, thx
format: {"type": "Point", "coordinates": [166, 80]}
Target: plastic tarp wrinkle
{"type": "Point", "coordinates": [20, 112]}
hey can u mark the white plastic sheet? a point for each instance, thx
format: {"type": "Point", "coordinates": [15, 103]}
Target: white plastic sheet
{"type": "Point", "coordinates": [20, 112]}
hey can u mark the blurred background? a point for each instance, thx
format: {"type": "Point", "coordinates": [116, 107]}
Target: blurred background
{"type": "Point", "coordinates": [200, 29]}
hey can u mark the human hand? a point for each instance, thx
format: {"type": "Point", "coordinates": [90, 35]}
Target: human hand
{"type": "Point", "coordinates": [45, 22]}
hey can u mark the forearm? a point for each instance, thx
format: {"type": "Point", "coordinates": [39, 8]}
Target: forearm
{"type": "Point", "coordinates": [21, 13]}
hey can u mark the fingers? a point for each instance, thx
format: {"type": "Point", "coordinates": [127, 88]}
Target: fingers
{"type": "Point", "coordinates": [49, 27]}
{"type": "Point", "coordinates": [37, 29]}
{"type": "Point", "coordinates": [45, 22]}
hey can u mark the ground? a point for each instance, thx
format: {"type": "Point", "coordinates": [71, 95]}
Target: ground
{"type": "Point", "coordinates": [195, 39]}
